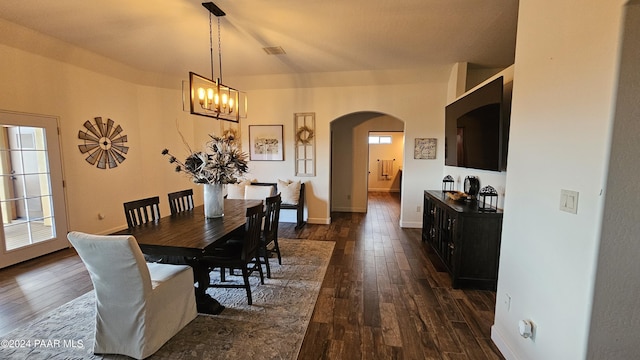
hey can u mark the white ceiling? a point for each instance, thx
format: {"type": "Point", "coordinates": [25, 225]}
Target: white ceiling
{"type": "Point", "coordinates": [172, 36]}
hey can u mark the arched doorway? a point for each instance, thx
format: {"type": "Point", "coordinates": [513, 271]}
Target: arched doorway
{"type": "Point", "coordinates": [350, 157]}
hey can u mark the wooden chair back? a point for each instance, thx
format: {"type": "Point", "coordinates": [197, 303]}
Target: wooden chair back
{"type": "Point", "coordinates": [180, 201]}
{"type": "Point", "coordinates": [272, 216]}
{"type": "Point", "coordinates": [252, 233]}
{"type": "Point", "coordinates": [142, 211]}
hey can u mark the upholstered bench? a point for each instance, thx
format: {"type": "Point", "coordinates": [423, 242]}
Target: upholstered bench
{"type": "Point", "coordinates": [238, 192]}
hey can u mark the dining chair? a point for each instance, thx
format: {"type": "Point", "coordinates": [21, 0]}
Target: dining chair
{"type": "Point", "coordinates": [180, 201]}
{"type": "Point", "coordinates": [243, 255]}
{"type": "Point", "coordinates": [142, 211]}
{"type": "Point", "coordinates": [139, 306]}
{"type": "Point", "coordinates": [269, 234]}
{"type": "Point", "coordinates": [258, 192]}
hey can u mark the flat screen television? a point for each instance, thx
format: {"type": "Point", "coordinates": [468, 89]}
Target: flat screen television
{"type": "Point", "coordinates": [477, 128]}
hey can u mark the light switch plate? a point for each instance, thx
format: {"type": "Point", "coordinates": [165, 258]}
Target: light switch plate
{"type": "Point", "coordinates": [569, 201]}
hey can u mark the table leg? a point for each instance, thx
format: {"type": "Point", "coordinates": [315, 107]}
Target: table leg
{"type": "Point", "coordinates": [205, 303]}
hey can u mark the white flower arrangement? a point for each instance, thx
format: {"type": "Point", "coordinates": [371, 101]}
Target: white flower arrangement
{"type": "Point", "coordinates": [222, 162]}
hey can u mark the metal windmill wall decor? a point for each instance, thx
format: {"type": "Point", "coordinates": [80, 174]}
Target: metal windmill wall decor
{"type": "Point", "coordinates": [104, 143]}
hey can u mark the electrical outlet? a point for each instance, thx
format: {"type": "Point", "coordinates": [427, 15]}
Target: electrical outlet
{"type": "Point", "coordinates": [507, 301]}
{"type": "Point", "coordinates": [418, 208]}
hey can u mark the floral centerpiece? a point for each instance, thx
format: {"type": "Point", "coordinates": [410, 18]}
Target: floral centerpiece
{"type": "Point", "coordinates": [222, 162]}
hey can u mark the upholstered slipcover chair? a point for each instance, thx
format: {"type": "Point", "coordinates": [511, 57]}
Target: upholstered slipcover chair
{"type": "Point", "coordinates": [139, 305]}
{"type": "Point", "coordinates": [258, 192]}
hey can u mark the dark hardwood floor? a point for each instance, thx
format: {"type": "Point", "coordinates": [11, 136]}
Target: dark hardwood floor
{"type": "Point", "coordinates": [384, 296]}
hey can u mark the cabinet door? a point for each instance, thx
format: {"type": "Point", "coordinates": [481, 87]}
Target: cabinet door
{"type": "Point", "coordinates": [480, 251]}
{"type": "Point", "coordinates": [428, 221]}
{"type": "Point", "coordinates": [447, 233]}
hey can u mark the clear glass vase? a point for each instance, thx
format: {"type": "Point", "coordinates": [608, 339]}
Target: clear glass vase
{"type": "Point", "coordinates": [213, 200]}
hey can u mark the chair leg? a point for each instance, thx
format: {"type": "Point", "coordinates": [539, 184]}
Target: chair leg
{"type": "Point", "coordinates": [259, 265]}
{"type": "Point", "coordinates": [247, 286]}
{"type": "Point", "coordinates": [266, 261]}
{"type": "Point", "coordinates": [276, 247]}
{"type": "Point", "coordinates": [222, 277]}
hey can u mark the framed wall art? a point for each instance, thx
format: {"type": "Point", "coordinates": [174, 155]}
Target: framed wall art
{"type": "Point", "coordinates": [425, 148]}
{"type": "Point", "coordinates": [266, 142]}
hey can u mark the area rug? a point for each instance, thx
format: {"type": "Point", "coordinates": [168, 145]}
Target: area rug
{"type": "Point", "coordinates": [272, 328]}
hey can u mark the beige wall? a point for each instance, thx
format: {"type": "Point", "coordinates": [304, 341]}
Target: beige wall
{"type": "Point", "coordinates": [33, 83]}
{"type": "Point", "coordinates": [148, 115]}
{"type": "Point", "coordinates": [616, 302]}
{"type": "Point", "coordinates": [562, 112]}
{"type": "Point", "coordinates": [419, 105]}
{"type": "Point", "coordinates": [563, 106]}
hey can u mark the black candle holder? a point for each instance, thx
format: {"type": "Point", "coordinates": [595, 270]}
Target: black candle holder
{"type": "Point", "coordinates": [488, 199]}
{"type": "Point", "coordinates": [447, 183]}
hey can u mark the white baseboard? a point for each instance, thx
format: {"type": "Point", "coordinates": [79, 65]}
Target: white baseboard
{"type": "Point", "coordinates": [497, 339]}
{"type": "Point", "coordinates": [349, 209]}
{"type": "Point", "coordinates": [112, 230]}
{"type": "Point", "coordinates": [411, 224]}
{"type": "Point", "coordinates": [321, 221]}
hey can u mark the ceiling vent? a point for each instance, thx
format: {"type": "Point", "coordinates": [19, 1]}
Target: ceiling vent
{"type": "Point", "coordinates": [274, 50]}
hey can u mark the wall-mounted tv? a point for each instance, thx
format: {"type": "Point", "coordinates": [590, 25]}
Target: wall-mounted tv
{"type": "Point", "coordinates": [477, 128]}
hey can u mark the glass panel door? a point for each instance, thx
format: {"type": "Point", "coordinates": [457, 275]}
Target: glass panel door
{"type": "Point", "coordinates": [31, 192]}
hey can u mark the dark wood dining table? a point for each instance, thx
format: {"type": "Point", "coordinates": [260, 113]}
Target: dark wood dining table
{"type": "Point", "coordinates": [185, 237]}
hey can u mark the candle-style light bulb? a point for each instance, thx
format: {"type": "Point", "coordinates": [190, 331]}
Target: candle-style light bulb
{"type": "Point", "coordinates": [201, 96]}
{"type": "Point", "coordinates": [224, 100]}
{"type": "Point", "coordinates": [209, 97]}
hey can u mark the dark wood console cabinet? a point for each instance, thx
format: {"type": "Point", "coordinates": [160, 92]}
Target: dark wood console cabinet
{"type": "Point", "coordinates": [466, 239]}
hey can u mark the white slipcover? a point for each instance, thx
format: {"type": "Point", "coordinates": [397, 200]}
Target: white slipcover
{"type": "Point", "coordinates": [236, 191]}
{"type": "Point", "coordinates": [258, 192]}
{"type": "Point", "coordinates": [139, 306]}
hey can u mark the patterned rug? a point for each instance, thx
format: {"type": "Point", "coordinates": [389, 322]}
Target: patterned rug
{"type": "Point", "coordinates": [272, 328]}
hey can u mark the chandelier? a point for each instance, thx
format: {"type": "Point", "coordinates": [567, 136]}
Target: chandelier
{"type": "Point", "coordinates": [211, 97]}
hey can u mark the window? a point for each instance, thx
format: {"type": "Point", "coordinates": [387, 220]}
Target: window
{"type": "Point", "coordinates": [379, 139]}
{"type": "Point", "coordinates": [25, 199]}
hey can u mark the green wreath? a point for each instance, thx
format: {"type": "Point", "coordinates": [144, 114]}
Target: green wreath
{"type": "Point", "coordinates": [304, 135]}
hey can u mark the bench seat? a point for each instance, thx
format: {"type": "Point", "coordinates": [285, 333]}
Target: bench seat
{"type": "Point", "coordinates": [298, 207]}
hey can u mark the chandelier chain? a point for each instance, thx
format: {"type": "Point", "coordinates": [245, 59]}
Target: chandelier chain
{"type": "Point", "coordinates": [219, 51]}
{"type": "Point", "coordinates": [211, 45]}
{"type": "Point", "coordinates": [211, 49]}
